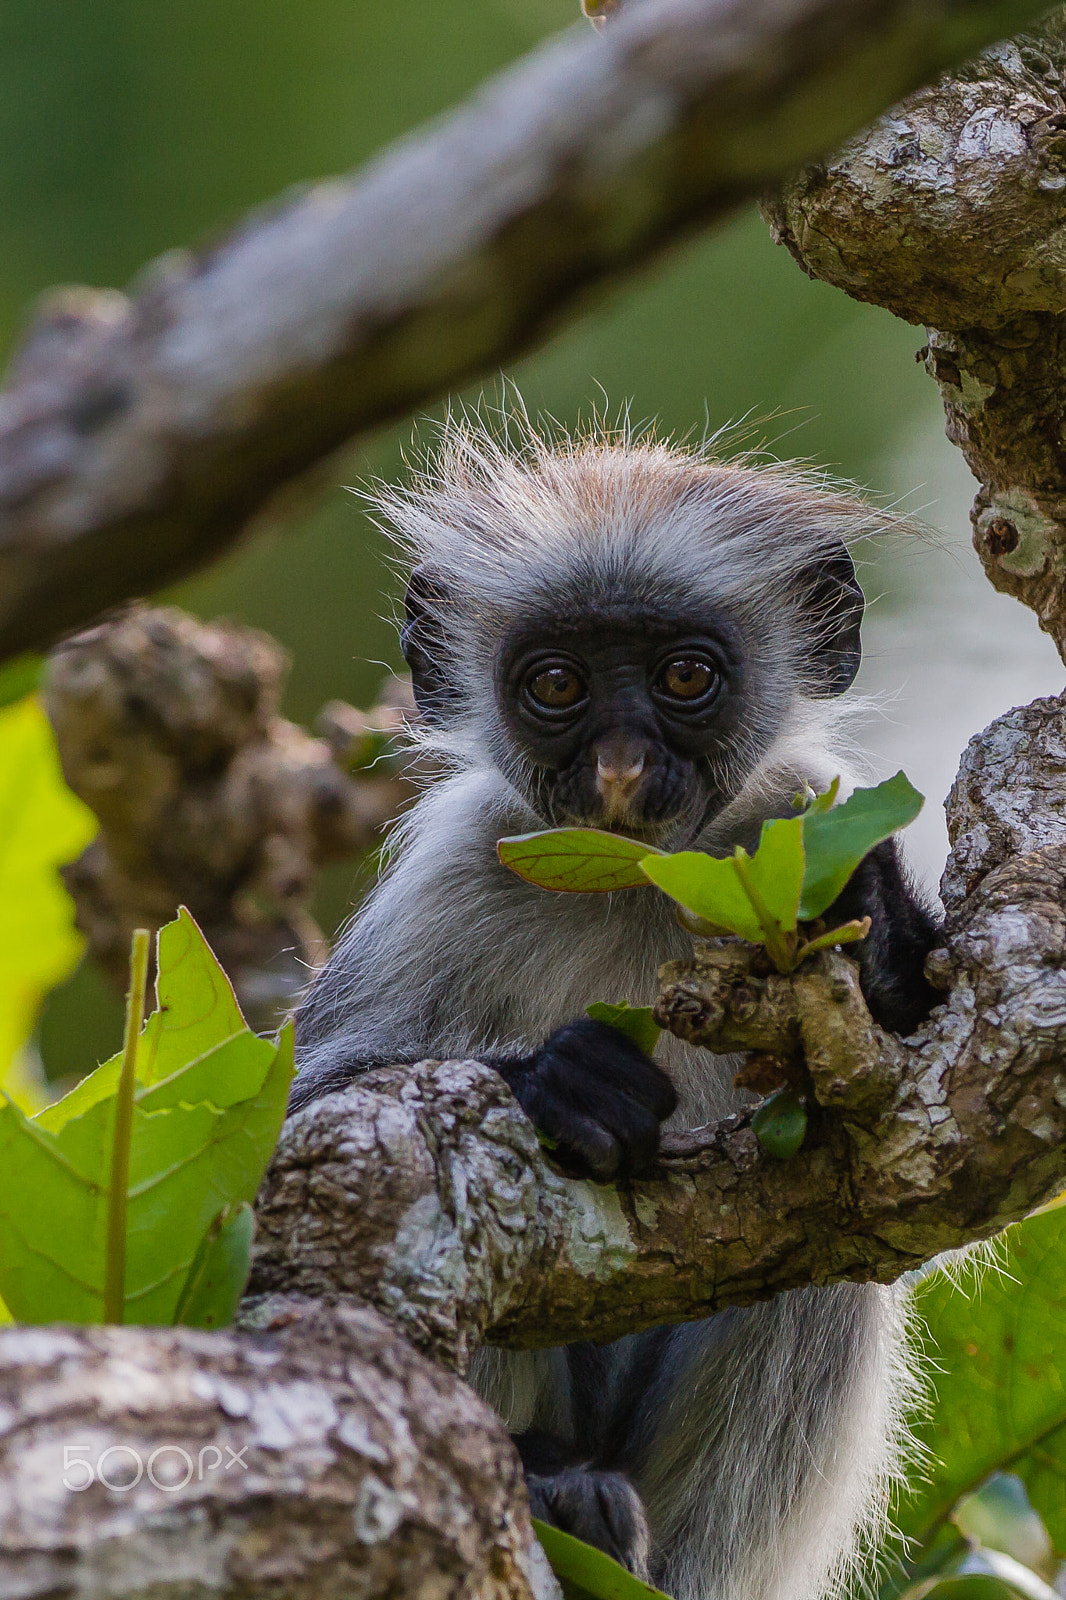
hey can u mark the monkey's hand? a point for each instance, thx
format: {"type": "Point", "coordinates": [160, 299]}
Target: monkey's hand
{"type": "Point", "coordinates": [602, 1508]}
{"type": "Point", "coordinates": [903, 930]}
{"type": "Point", "coordinates": [596, 1096]}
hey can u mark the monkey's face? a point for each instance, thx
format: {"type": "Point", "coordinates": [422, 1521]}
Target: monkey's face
{"type": "Point", "coordinates": [626, 722]}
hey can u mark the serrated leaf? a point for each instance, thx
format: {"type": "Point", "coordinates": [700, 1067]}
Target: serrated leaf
{"type": "Point", "coordinates": [196, 1010]}
{"type": "Point", "coordinates": [196, 1006]}
{"type": "Point", "coordinates": [219, 1271]}
{"type": "Point", "coordinates": [577, 860]}
{"type": "Point", "coordinates": [586, 1573]}
{"type": "Point", "coordinates": [636, 1022]}
{"type": "Point", "coordinates": [201, 1139]}
{"type": "Point", "coordinates": [835, 841]}
{"type": "Point", "coordinates": [780, 1124]}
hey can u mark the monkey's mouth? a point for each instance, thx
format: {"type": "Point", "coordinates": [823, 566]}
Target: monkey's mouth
{"type": "Point", "coordinates": [648, 809]}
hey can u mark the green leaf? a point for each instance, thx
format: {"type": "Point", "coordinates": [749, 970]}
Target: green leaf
{"type": "Point", "coordinates": [847, 933]}
{"type": "Point", "coordinates": [819, 803]}
{"type": "Point", "coordinates": [780, 1124]}
{"type": "Point", "coordinates": [19, 677]}
{"type": "Point", "coordinates": [586, 1573]}
{"type": "Point", "coordinates": [990, 1575]}
{"type": "Point", "coordinates": [999, 1516]}
{"type": "Point", "coordinates": [637, 1022]}
{"type": "Point", "coordinates": [196, 1006]}
{"type": "Point", "coordinates": [756, 897]}
{"type": "Point", "coordinates": [1000, 1381]}
{"type": "Point", "coordinates": [777, 870]}
{"type": "Point", "coordinates": [219, 1271]}
{"type": "Point", "coordinates": [577, 860]}
{"type": "Point", "coordinates": [835, 841]}
{"type": "Point", "coordinates": [42, 826]}
{"type": "Point", "coordinates": [978, 1586]}
{"type": "Point", "coordinates": [196, 1010]}
{"type": "Point", "coordinates": [201, 1138]}
{"type": "Point", "coordinates": [709, 887]}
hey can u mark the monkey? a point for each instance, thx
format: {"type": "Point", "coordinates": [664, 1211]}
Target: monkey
{"type": "Point", "coordinates": [615, 631]}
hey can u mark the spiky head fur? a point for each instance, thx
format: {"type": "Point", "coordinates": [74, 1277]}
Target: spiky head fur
{"type": "Point", "coordinates": [514, 527]}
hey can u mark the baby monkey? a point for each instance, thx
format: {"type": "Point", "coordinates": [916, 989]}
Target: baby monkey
{"type": "Point", "coordinates": [629, 635]}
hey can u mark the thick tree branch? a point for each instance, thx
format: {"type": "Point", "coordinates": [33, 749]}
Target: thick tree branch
{"type": "Point", "coordinates": [426, 1193]}
{"type": "Point", "coordinates": [140, 432]}
{"type": "Point", "coordinates": [325, 1460]}
{"type": "Point", "coordinates": [949, 212]}
{"type": "Point", "coordinates": [367, 1470]}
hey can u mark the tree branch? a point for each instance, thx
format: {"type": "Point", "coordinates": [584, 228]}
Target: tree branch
{"type": "Point", "coordinates": [140, 432]}
{"type": "Point", "coordinates": [948, 211]}
{"type": "Point", "coordinates": [323, 1460]}
{"type": "Point", "coordinates": [426, 1194]}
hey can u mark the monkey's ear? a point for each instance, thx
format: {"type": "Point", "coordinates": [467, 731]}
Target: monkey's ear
{"type": "Point", "coordinates": [837, 604]}
{"type": "Point", "coordinates": [423, 644]}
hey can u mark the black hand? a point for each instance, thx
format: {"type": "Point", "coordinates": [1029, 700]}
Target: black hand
{"type": "Point", "coordinates": [596, 1094]}
{"type": "Point", "coordinates": [602, 1508]}
{"type": "Point", "coordinates": [903, 930]}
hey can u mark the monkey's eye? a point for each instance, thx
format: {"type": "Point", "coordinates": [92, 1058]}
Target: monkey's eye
{"type": "Point", "coordinates": [555, 688]}
{"type": "Point", "coordinates": [687, 679]}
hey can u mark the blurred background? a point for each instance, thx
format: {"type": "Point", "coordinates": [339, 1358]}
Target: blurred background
{"type": "Point", "coordinates": [131, 126]}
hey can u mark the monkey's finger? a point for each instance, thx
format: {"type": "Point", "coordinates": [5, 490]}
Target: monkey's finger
{"type": "Point", "coordinates": [610, 1134]}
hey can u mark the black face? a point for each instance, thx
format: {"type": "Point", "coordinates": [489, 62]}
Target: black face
{"type": "Point", "coordinates": [627, 720]}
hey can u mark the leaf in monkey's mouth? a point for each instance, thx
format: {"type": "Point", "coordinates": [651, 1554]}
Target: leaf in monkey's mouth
{"type": "Point", "coordinates": [577, 860]}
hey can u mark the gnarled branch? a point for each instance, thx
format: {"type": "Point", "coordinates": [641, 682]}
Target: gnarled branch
{"type": "Point", "coordinates": [140, 432]}
{"type": "Point", "coordinates": [323, 1459]}
{"type": "Point", "coordinates": [425, 1192]}
{"type": "Point", "coordinates": [169, 728]}
{"type": "Point", "coordinates": [949, 212]}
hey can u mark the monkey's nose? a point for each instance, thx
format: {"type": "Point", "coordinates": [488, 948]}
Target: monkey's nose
{"type": "Point", "coordinates": [613, 774]}
{"type": "Point", "coordinates": [618, 772]}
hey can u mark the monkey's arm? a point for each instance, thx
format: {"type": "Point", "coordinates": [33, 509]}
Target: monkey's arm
{"type": "Point", "coordinates": [903, 930]}
{"type": "Point", "coordinates": [438, 962]}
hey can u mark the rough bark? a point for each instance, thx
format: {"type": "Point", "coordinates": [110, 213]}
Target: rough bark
{"type": "Point", "coordinates": [426, 1193]}
{"type": "Point", "coordinates": [424, 1196]}
{"type": "Point", "coordinates": [139, 432]}
{"type": "Point", "coordinates": [327, 1459]}
{"type": "Point", "coordinates": [949, 212]}
{"type": "Point", "coordinates": [169, 729]}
